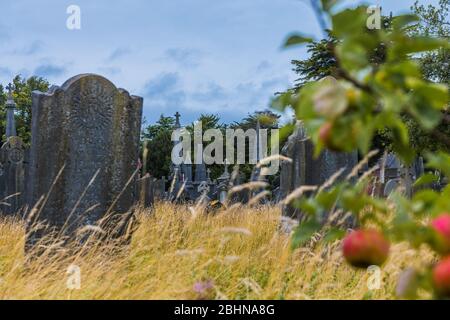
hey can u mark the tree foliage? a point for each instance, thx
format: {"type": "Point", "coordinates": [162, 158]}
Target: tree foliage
{"type": "Point", "coordinates": [432, 21]}
{"type": "Point", "coordinates": [435, 66]}
{"type": "Point", "coordinates": [159, 145]}
{"type": "Point", "coordinates": [346, 115]}
{"type": "Point", "coordinates": [22, 97]}
{"type": "Point", "coordinates": [320, 63]}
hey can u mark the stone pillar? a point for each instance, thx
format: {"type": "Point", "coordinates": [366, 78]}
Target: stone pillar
{"type": "Point", "coordinates": [11, 158]}
{"type": "Point", "coordinates": [10, 110]}
{"type": "Point", "coordinates": [176, 174]}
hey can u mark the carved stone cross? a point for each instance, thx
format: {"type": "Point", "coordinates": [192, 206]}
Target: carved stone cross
{"type": "Point", "coordinates": [10, 88]}
{"type": "Point", "coordinates": [177, 117]}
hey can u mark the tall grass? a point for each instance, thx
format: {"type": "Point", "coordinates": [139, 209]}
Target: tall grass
{"type": "Point", "coordinates": [241, 253]}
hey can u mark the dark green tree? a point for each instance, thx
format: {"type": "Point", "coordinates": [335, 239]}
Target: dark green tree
{"type": "Point", "coordinates": [22, 96]}
{"type": "Point", "coordinates": [209, 121]}
{"type": "Point", "coordinates": [266, 118]}
{"type": "Point", "coordinates": [159, 144]}
{"type": "Point", "coordinates": [435, 65]}
{"type": "Point", "coordinates": [320, 63]}
{"type": "Point", "coordinates": [434, 22]}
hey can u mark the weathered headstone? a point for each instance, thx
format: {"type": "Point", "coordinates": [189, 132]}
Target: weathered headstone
{"type": "Point", "coordinates": [12, 176]}
{"type": "Point", "coordinates": [12, 156]}
{"type": "Point", "coordinates": [84, 155]}
{"type": "Point", "coordinates": [159, 189]}
{"type": "Point", "coordinates": [395, 174]}
{"type": "Point", "coordinates": [146, 191]}
{"type": "Point", "coordinates": [307, 170]}
{"type": "Point", "coordinates": [391, 186]}
{"type": "Point", "coordinates": [293, 174]}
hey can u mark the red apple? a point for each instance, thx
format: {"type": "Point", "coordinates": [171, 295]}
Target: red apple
{"type": "Point", "coordinates": [441, 277]}
{"type": "Point", "coordinates": [363, 248]}
{"type": "Point", "coordinates": [441, 226]}
{"type": "Point", "coordinates": [325, 132]}
{"type": "Point", "coordinates": [325, 136]}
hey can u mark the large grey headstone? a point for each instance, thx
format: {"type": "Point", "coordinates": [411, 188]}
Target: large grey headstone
{"type": "Point", "coordinates": [83, 127]}
{"type": "Point", "coordinates": [307, 170]}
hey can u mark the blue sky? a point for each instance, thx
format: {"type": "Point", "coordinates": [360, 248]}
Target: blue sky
{"type": "Point", "coordinates": [191, 56]}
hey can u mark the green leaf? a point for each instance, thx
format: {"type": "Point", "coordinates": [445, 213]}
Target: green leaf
{"type": "Point", "coordinates": [286, 131]}
{"type": "Point", "coordinates": [307, 205]}
{"type": "Point", "coordinates": [427, 117]}
{"type": "Point", "coordinates": [442, 204]}
{"type": "Point", "coordinates": [353, 201]}
{"type": "Point", "coordinates": [327, 199]}
{"type": "Point", "coordinates": [440, 161]}
{"type": "Point", "coordinates": [352, 55]}
{"type": "Point", "coordinates": [378, 204]}
{"type": "Point", "coordinates": [400, 141]}
{"type": "Point", "coordinates": [403, 20]}
{"type": "Point", "coordinates": [403, 208]}
{"type": "Point", "coordinates": [404, 45]}
{"type": "Point", "coordinates": [304, 109]}
{"type": "Point", "coordinates": [433, 94]}
{"type": "Point", "coordinates": [304, 232]}
{"type": "Point", "coordinates": [296, 39]}
{"type": "Point", "coordinates": [327, 5]}
{"type": "Point", "coordinates": [334, 234]}
{"type": "Point", "coordinates": [350, 22]}
{"type": "Point", "coordinates": [365, 131]}
{"type": "Point", "coordinates": [283, 101]}
{"type": "Point", "coordinates": [424, 201]}
{"type": "Point", "coordinates": [426, 179]}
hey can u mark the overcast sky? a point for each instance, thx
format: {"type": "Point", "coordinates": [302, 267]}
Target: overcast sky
{"type": "Point", "coordinates": [191, 56]}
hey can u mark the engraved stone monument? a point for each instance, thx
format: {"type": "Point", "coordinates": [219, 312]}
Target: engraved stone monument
{"type": "Point", "coordinates": [84, 155]}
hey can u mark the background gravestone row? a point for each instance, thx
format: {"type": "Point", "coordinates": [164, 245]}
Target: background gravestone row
{"type": "Point", "coordinates": [84, 159]}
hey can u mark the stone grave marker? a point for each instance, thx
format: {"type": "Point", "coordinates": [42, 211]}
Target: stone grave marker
{"type": "Point", "coordinates": [84, 155]}
{"type": "Point", "coordinates": [12, 157]}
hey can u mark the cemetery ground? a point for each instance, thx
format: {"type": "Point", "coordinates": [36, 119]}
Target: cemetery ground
{"type": "Point", "coordinates": [180, 253]}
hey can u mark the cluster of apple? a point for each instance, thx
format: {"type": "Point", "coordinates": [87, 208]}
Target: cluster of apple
{"type": "Point", "coordinates": [441, 244]}
{"type": "Point", "coordinates": [366, 247]}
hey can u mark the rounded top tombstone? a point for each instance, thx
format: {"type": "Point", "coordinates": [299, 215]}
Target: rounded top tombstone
{"type": "Point", "coordinates": [85, 143]}
{"type": "Point", "coordinates": [86, 76]}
